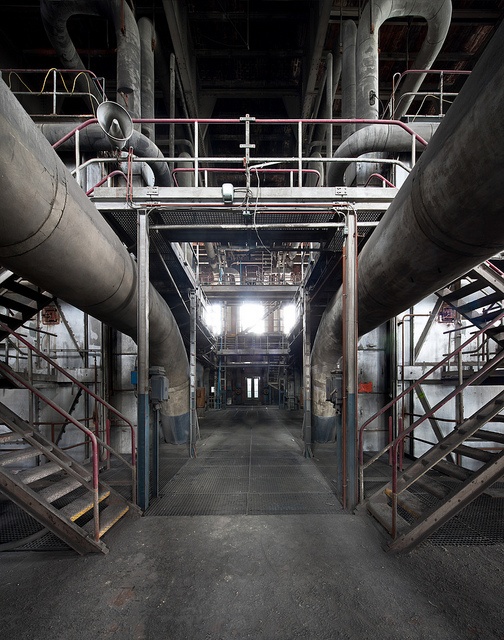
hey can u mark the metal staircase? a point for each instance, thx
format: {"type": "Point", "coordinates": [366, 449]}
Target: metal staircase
{"type": "Point", "coordinates": [67, 497]}
{"type": "Point", "coordinates": [426, 502]}
{"type": "Point", "coordinates": [58, 491]}
{"type": "Point", "coordinates": [437, 486]}
{"type": "Point", "coordinates": [480, 299]}
{"type": "Point", "coordinates": [19, 301]}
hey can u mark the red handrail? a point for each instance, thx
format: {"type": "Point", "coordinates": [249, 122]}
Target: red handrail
{"type": "Point", "coordinates": [431, 412]}
{"type": "Point", "coordinates": [79, 384]}
{"type": "Point", "coordinates": [76, 423]}
{"type": "Point", "coordinates": [87, 390]}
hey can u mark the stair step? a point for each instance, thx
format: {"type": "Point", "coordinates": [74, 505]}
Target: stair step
{"type": "Point", "coordinates": [18, 456]}
{"type": "Point", "coordinates": [28, 292]}
{"type": "Point", "coordinates": [458, 294]}
{"type": "Point", "coordinates": [82, 505]}
{"type": "Point", "coordinates": [409, 502]}
{"type": "Point", "coordinates": [430, 485]}
{"type": "Point", "coordinates": [37, 473]}
{"type": "Point", "coordinates": [382, 512]}
{"type": "Point", "coordinates": [452, 470]}
{"type": "Point", "coordinates": [12, 436]}
{"type": "Point", "coordinates": [478, 303]}
{"type": "Point", "coordinates": [10, 321]}
{"type": "Point", "coordinates": [475, 454]}
{"type": "Point", "coordinates": [481, 319]}
{"type": "Point", "coordinates": [25, 310]}
{"type": "Point", "coordinates": [108, 518]}
{"type": "Point", "coordinates": [490, 436]}
{"type": "Point", "coordinates": [60, 489]}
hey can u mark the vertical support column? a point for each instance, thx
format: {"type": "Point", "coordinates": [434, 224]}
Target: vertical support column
{"type": "Point", "coordinates": [143, 418]}
{"type": "Point", "coordinates": [350, 376]}
{"type": "Point", "coordinates": [192, 374]}
{"type": "Point", "coordinates": [171, 147]}
{"type": "Point", "coordinates": [307, 417]}
{"type": "Point", "coordinates": [329, 104]}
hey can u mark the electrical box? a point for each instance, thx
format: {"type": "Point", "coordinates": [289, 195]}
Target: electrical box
{"type": "Point", "coordinates": [158, 388]}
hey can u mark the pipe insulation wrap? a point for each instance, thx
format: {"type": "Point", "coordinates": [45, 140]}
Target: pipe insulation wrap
{"type": "Point", "coordinates": [51, 234]}
{"type": "Point", "coordinates": [446, 218]}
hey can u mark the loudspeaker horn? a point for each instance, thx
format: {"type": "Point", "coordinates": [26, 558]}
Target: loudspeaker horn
{"type": "Point", "coordinates": [116, 123]}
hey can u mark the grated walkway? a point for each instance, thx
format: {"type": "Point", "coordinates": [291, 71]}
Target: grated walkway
{"type": "Point", "coordinates": [250, 465]}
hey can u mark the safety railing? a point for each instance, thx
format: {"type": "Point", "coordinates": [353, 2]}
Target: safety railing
{"type": "Point", "coordinates": [440, 95]}
{"type": "Point", "coordinates": [396, 445]}
{"type": "Point", "coordinates": [53, 84]}
{"type": "Point", "coordinates": [94, 440]}
{"type": "Point", "coordinates": [297, 166]}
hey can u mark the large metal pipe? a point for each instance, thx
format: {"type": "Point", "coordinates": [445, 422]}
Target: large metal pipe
{"type": "Point", "coordinates": [377, 137]}
{"type": "Point", "coordinates": [446, 218]}
{"type": "Point", "coordinates": [348, 77]}
{"type": "Point", "coordinates": [437, 13]}
{"type": "Point", "coordinates": [51, 234]}
{"type": "Point", "coordinates": [147, 46]}
{"type": "Point", "coordinates": [93, 139]}
{"type": "Point", "coordinates": [55, 15]}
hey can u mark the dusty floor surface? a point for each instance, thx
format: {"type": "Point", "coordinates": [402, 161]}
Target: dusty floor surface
{"type": "Point", "coordinates": [272, 577]}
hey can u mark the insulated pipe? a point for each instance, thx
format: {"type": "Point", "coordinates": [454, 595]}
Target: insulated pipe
{"type": "Point", "coordinates": [51, 234]}
{"type": "Point", "coordinates": [55, 14]}
{"type": "Point", "coordinates": [147, 46]}
{"type": "Point", "coordinates": [348, 77]}
{"type": "Point", "coordinates": [437, 13]}
{"type": "Point", "coordinates": [377, 137]}
{"type": "Point", "coordinates": [93, 139]}
{"type": "Point", "coordinates": [445, 219]}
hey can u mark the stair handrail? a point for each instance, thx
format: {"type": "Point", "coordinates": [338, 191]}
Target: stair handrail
{"type": "Point", "coordinates": [79, 384]}
{"type": "Point", "coordinates": [96, 397]}
{"type": "Point", "coordinates": [488, 366]}
{"type": "Point", "coordinates": [81, 427]}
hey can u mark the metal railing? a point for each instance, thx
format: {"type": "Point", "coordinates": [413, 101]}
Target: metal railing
{"type": "Point", "coordinates": [297, 166]}
{"type": "Point", "coordinates": [56, 78]}
{"type": "Point", "coordinates": [396, 445]}
{"type": "Point", "coordinates": [441, 95]}
{"type": "Point", "coordinates": [94, 440]}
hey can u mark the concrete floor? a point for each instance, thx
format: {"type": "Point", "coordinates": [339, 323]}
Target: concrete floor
{"type": "Point", "coordinates": [263, 576]}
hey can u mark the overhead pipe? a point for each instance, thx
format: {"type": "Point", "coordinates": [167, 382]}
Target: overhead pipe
{"type": "Point", "coordinates": [437, 14]}
{"type": "Point", "coordinates": [348, 77]}
{"type": "Point", "coordinates": [51, 234]}
{"type": "Point", "coordinates": [438, 17]}
{"type": "Point", "coordinates": [377, 137]}
{"type": "Point", "coordinates": [93, 139]}
{"type": "Point", "coordinates": [445, 219]}
{"type": "Point", "coordinates": [55, 15]}
{"type": "Point", "coordinates": [148, 39]}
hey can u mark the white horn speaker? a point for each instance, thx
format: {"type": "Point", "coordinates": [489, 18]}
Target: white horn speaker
{"type": "Point", "coordinates": [116, 123]}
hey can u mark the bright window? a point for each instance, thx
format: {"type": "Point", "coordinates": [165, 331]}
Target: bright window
{"type": "Point", "coordinates": [252, 317]}
{"type": "Point", "coordinates": [288, 317]}
{"type": "Point", "coordinates": [213, 318]}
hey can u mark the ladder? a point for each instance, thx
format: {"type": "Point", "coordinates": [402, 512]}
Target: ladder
{"type": "Point", "coordinates": [53, 488]}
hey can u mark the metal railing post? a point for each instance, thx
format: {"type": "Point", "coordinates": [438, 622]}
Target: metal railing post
{"type": "Point", "coordinates": [143, 360]}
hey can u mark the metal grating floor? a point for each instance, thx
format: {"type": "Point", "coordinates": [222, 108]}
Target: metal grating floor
{"type": "Point", "coordinates": [249, 465]}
